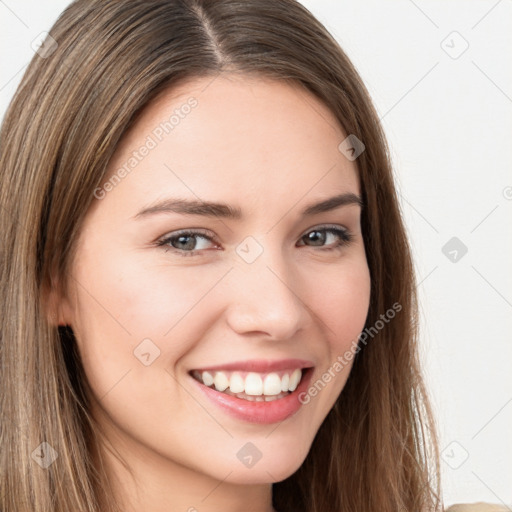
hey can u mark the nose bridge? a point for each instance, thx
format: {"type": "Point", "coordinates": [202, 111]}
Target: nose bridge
{"type": "Point", "coordinates": [264, 297]}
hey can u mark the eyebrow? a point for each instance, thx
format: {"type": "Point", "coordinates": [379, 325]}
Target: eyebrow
{"type": "Point", "coordinates": [213, 209]}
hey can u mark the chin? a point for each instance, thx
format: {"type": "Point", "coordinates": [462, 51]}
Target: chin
{"type": "Point", "coordinates": [267, 470]}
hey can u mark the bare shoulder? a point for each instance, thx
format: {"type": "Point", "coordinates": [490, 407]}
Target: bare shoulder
{"type": "Point", "coordinates": [478, 507]}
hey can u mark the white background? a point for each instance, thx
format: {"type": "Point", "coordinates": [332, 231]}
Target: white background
{"type": "Point", "coordinates": [448, 118]}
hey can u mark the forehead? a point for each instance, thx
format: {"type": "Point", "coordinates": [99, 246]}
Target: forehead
{"type": "Point", "coordinates": [243, 135]}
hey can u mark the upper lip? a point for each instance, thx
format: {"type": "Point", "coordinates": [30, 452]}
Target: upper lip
{"type": "Point", "coordinates": [260, 365]}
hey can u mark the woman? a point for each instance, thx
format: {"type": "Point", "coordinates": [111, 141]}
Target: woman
{"type": "Point", "coordinates": [274, 368]}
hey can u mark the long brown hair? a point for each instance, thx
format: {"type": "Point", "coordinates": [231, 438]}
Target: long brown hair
{"type": "Point", "coordinates": [377, 449]}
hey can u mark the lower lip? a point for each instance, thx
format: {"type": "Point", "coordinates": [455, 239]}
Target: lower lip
{"type": "Point", "coordinates": [259, 412]}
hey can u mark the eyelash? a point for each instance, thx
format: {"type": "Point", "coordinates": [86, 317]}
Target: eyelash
{"type": "Point", "coordinates": [345, 237]}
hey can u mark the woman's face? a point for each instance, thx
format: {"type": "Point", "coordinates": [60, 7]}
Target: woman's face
{"type": "Point", "coordinates": [167, 294]}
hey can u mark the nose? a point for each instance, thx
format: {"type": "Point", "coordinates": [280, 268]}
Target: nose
{"type": "Point", "coordinates": [264, 298]}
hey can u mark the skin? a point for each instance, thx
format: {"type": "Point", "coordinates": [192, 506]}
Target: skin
{"type": "Point", "coordinates": [269, 148]}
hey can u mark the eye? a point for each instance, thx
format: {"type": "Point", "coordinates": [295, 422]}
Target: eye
{"type": "Point", "coordinates": [319, 236]}
{"type": "Point", "coordinates": [185, 242]}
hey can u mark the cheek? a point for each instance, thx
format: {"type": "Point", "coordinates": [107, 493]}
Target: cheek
{"type": "Point", "coordinates": [140, 298]}
{"type": "Point", "coordinates": [341, 298]}
{"type": "Point", "coordinates": [129, 308]}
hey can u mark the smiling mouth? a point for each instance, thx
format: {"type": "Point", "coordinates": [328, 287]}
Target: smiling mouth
{"type": "Point", "coordinates": [252, 386]}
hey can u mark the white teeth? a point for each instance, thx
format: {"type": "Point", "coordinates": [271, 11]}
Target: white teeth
{"type": "Point", "coordinates": [260, 387]}
{"type": "Point", "coordinates": [271, 384]}
{"type": "Point", "coordinates": [221, 381]}
{"type": "Point", "coordinates": [285, 381]}
{"type": "Point", "coordinates": [236, 383]}
{"type": "Point", "coordinates": [207, 378]}
{"type": "Point", "coordinates": [253, 384]}
{"type": "Point", "coordinates": [294, 379]}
